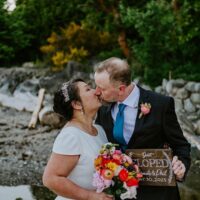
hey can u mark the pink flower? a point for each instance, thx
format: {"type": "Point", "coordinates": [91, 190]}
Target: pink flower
{"type": "Point", "coordinates": [145, 109]}
{"type": "Point", "coordinates": [99, 183]}
{"type": "Point", "coordinates": [127, 159]}
{"type": "Point", "coordinates": [118, 152]}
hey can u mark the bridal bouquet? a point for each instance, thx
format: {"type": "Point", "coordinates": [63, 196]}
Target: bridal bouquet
{"type": "Point", "coordinates": [116, 173]}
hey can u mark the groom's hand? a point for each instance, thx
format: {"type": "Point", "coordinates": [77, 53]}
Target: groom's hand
{"type": "Point", "coordinates": [178, 168]}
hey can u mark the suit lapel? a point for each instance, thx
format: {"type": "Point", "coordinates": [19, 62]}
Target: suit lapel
{"type": "Point", "coordinates": [140, 121]}
{"type": "Point", "coordinates": [109, 122]}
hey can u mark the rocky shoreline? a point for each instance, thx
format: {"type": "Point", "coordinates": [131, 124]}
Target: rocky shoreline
{"type": "Point", "coordinates": [23, 152]}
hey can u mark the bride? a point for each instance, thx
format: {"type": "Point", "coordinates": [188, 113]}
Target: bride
{"type": "Point", "coordinates": [69, 171]}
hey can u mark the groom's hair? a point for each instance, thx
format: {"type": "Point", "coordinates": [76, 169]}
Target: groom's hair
{"type": "Point", "coordinates": [62, 105]}
{"type": "Point", "coordinates": [118, 70]}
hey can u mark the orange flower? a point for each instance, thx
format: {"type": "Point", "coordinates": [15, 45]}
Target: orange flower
{"type": "Point", "coordinates": [107, 174]}
{"type": "Point", "coordinates": [97, 162]}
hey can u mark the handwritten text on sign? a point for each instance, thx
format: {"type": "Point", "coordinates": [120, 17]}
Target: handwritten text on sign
{"type": "Point", "coordinates": [155, 165]}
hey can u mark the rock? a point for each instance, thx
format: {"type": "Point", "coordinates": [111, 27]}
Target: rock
{"type": "Point", "coordinates": [179, 83]}
{"type": "Point", "coordinates": [52, 83]}
{"type": "Point", "coordinates": [3, 122]}
{"type": "Point", "coordinates": [72, 67]}
{"type": "Point", "coordinates": [197, 87]}
{"type": "Point", "coordinates": [178, 105]}
{"type": "Point", "coordinates": [182, 93]}
{"type": "Point", "coordinates": [5, 89]}
{"type": "Point", "coordinates": [164, 84]}
{"type": "Point", "coordinates": [169, 86]}
{"type": "Point", "coordinates": [159, 89]}
{"type": "Point", "coordinates": [174, 91]}
{"type": "Point", "coordinates": [29, 86]}
{"type": "Point", "coordinates": [198, 127]}
{"type": "Point", "coordinates": [27, 155]}
{"type": "Point", "coordinates": [188, 106]}
{"type": "Point", "coordinates": [28, 65]}
{"type": "Point", "coordinates": [190, 86]}
{"type": "Point", "coordinates": [82, 75]}
{"type": "Point", "coordinates": [146, 87]}
{"type": "Point", "coordinates": [48, 100]}
{"type": "Point", "coordinates": [186, 124]}
{"type": "Point", "coordinates": [195, 98]}
{"type": "Point", "coordinates": [192, 117]}
{"type": "Point", "coordinates": [48, 117]}
{"type": "Point", "coordinates": [19, 101]}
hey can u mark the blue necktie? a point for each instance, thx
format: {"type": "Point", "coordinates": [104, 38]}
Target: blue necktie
{"type": "Point", "coordinates": [118, 127]}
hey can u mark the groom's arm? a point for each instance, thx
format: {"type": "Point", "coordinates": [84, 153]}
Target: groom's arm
{"type": "Point", "coordinates": [176, 139]}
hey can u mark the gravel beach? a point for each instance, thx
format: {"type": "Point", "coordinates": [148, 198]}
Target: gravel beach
{"type": "Point", "coordinates": [23, 152]}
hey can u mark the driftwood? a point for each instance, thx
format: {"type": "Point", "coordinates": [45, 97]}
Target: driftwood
{"type": "Point", "coordinates": [34, 117]}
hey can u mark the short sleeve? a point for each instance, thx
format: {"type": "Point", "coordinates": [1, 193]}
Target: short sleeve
{"type": "Point", "coordinates": [67, 142]}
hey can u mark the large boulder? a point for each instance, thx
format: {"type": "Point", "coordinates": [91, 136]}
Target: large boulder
{"type": "Point", "coordinates": [195, 98]}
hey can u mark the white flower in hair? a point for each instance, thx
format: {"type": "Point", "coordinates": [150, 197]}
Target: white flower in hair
{"type": "Point", "coordinates": [65, 91]}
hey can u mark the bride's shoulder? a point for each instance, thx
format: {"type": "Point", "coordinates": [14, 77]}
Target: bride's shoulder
{"type": "Point", "coordinates": [68, 130]}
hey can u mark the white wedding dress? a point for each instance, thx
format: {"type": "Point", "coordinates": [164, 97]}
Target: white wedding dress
{"type": "Point", "coordinates": [73, 141]}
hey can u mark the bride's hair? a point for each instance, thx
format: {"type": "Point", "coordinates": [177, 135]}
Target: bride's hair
{"type": "Point", "coordinates": [67, 93]}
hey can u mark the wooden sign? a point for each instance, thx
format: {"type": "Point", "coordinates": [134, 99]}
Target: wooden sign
{"type": "Point", "coordinates": [155, 165]}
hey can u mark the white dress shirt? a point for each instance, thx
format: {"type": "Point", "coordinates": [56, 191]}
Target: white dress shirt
{"type": "Point", "coordinates": [130, 112]}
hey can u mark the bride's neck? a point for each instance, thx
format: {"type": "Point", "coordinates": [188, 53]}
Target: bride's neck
{"type": "Point", "coordinates": [84, 120]}
{"type": "Point", "coordinates": [84, 123]}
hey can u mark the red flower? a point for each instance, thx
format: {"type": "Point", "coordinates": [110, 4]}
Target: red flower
{"type": "Point", "coordinates": [118, 162]}
{"type": "Point", "coordinates": [123, 175]}
{"type": "Point", "coordinates": [132, 182]}
{"type": "Point", "coordinates": [104, 162]}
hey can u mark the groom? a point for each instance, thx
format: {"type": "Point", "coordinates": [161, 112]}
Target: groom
{"type": "Point", "coordinates": [153, 126]}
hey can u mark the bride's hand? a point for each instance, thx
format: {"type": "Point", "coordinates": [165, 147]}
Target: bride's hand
{"type": "Point", "coordinates": [99, 196]}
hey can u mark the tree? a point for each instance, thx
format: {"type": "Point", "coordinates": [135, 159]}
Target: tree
{"type": "Point", "coordinates": [6, 50]}
{"type": "Point", "coordinates": [167, 34]}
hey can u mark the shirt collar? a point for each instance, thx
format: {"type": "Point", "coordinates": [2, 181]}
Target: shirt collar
{"type": "Point", "coordinates": [133, 98]}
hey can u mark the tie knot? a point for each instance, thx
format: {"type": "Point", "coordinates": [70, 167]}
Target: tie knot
{"type": "Point", "coordinates": [121, 107]}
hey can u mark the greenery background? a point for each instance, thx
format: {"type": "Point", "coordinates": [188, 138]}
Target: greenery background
{"type": "Point", "coordinates": [158, 37]}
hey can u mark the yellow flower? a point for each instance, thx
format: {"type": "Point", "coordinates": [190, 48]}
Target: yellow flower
{"type": "Point", "coordinates": [112, 166]}
{"type": "Point", "coordinates": [130, 175]}
{"type": "Point", "coordinates": [126, 164]}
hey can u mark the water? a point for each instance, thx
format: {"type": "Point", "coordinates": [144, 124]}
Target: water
{"type": "Point", "coordinates": [189, 190]}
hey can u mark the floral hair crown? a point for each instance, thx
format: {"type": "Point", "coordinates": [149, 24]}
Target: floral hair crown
{"type": "Point", "coordinates": [64, 90]}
